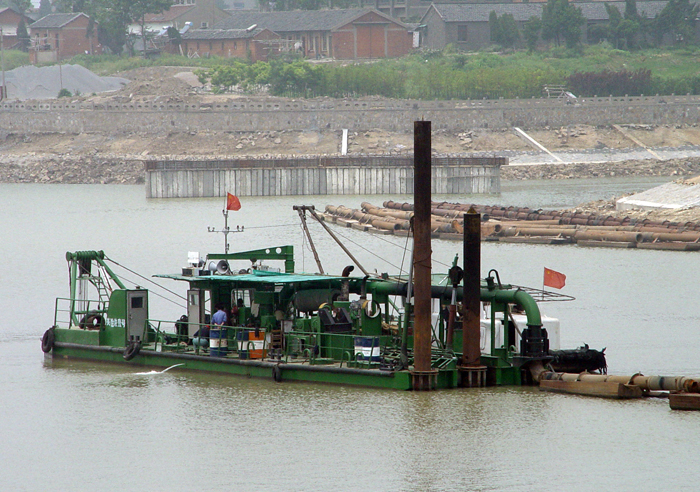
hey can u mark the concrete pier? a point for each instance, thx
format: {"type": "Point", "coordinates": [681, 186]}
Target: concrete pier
{"type": "Point", "coordinates": [366, 175]}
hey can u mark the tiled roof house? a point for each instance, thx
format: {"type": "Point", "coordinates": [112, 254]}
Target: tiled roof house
{"type": "Point", "coordinates": [466, 25]}
{"type": "Point", "coordinates": [60, 36]}
{"type": "Point", "coordinates": [341, 33]}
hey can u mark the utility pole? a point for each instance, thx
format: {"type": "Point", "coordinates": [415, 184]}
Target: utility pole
{"type": "Point", "coordinates": [3, 92]}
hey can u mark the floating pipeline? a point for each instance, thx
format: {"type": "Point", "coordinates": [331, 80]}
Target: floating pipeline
{"type": "Point", "coordinates": [526, 213]}
{"type": "Point", "coordinates": [623, 387]}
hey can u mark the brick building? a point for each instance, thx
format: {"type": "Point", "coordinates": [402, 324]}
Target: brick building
{"type": "Point", "coordinates": [466, 25]}
{"type": "Point", "coordinates": [9, 21]}
{"type": "Point", "coordinates": [57, 37]}
{"type": "Point", "coordinates": [342, 33]}
{"type": "Point", "coordinates": [202, 14]}
{"type": "Point", "coordinates": [256, 43]}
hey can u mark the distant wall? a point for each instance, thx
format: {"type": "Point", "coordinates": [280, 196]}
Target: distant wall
{"type": "Point", "coordinates": [265, 114]}
{"type": "Point", "coordinates": [319, 176]}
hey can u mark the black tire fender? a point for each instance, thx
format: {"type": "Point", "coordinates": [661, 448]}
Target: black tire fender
{"type": "Point", "coordinates": [91, 321]}
{"type": "Point", "coordinates": [277, 373]}
{"type": "Point", "coordinates": [48, 340]}
{"type": "Point", "coordinates": [132, 350]}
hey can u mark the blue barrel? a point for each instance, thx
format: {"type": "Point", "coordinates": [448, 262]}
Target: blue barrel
{"type": "Point", "coordinates": [367, 348]}
{"type": "Point", "coordinates": [218, 341]}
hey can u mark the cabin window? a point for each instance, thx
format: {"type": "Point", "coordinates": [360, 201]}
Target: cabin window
{"type": "Point", "coordinates": [462, 32]}
{"type": "Point", "coordinates": [136, 302]}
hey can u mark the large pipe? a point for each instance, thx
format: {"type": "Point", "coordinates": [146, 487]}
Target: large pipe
{"type": "Point", "coordinates": [646, 383]}
{"type": "Point", "coordinates": [422, 333]}
{"type": "Point", "coordinates": [471, 329]}
{"type": "Point", "coordinates": [504, 295]}
{"type": "Point", "coordinates": [632, 237]}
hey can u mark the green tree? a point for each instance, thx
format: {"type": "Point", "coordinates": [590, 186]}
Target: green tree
{"type": "Point", "coordinates": [504, 29]}
{"type": "Point", "coordinates": [494, 27]}
{"type": "Point", "coordinates": [531, 32]}
{"type": "Point", "coordinates": [562, 21]}
{"type": "Point", "coordinates": [677, 19]}
{"type": "Point", "coordinates": [509, 30]}
{"type": "Point", "coordinates": [66, 6]}
{"type": "Point", "coordinates": [138, 9]}
{"type": "Point", "coordinates": [44, 8]}
{"type": "Point", "coordinates": [22, 35]}
{"type": "Point", "coordinates": [613, 27]}
{"type": "Point", "coordinates": [20, 6]}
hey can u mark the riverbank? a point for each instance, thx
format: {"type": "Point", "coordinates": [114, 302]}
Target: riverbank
{"type": "Point", "coordinates": [111, 168]}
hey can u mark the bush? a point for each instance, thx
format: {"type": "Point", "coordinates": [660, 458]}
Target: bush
{"type": "Point", "coordinates": [609, 83]}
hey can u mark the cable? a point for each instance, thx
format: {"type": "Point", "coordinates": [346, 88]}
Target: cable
{"type": "Point", "coordinates": [271, 226]}
{"type": "Point", "coordinates": [147, 280]}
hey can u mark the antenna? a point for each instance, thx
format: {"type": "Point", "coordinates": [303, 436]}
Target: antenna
{"type": "Point", "coordinates": [226, 230]}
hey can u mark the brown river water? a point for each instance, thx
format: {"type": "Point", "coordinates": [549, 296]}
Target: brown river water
{"type": "Point", "coordinates": [79, 426]}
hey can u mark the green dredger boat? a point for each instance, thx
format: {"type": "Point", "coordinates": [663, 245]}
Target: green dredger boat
{"type": "Point", "coordinates": [288, 326]}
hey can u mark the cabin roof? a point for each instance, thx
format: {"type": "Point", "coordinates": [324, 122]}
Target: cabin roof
{"type": "Point", "coordinates": [258, 277]}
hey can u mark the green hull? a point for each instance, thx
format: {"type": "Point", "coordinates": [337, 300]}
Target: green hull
{"type": "Point", "coordinates": [399, 380]}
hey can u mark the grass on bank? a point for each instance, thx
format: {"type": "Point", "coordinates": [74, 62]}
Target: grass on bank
{"type": "Point", "coordinates": [448, 74]}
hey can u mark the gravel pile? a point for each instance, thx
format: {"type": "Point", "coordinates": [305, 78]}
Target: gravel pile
{"type": "Point", "coordinates": [30, 82]}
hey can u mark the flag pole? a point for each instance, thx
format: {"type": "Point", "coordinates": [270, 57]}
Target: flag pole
{"type": "Point", "coordinates": [226, 229]}
{"type": "Point", "coordinates": [543, 285]}
{"type": "Point", "coordinates": [234, 205]}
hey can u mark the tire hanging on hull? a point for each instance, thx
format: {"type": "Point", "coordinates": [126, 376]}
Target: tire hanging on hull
{"type": "Point", "coordinates": [132, 350]}
{"type": "Point", "coordinates": [48, 340]}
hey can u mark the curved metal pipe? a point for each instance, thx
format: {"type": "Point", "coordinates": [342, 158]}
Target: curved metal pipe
{"type": "Point", "coordinates": [518, 297]}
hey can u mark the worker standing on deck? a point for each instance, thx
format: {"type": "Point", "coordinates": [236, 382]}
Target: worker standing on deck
{"type": "Point", "coordinates": [219, 318]}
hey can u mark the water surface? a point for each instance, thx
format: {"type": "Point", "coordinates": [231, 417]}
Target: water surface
{"type": "Point", "coordinates": [78, 426]}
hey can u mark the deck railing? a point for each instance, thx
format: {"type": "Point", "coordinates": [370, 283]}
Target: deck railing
{"type": "Point", "coordinates": [305, 347]}
{"type": "Point", "coordinates": [87, 314]}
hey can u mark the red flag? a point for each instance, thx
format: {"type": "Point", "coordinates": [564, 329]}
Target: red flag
{"type": "Point", "coordinates": [554, 279]}
{"type": "Point", "coordinates": [232, 202]}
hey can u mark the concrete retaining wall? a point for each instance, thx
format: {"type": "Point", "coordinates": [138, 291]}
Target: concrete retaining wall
{"type": "Point", "coordinates": [265, 114]}
{"type": "Point", "coordinates": [318, 176]}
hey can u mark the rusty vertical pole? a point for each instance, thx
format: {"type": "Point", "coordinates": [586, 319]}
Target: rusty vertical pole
{"type": "Point", "coordinates": [423, 376]}
{"type": "Point", "coordinates": [472, 373]}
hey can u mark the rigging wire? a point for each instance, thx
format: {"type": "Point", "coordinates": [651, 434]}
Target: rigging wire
{"type": "Point", "coordinates": [383, 258]}
{"type": "Point", "coordinates": [271, 226]}
{"type": "Point", "coordinates": [147, 280]}
{"type": "Point", "coordinates": [152, 292]}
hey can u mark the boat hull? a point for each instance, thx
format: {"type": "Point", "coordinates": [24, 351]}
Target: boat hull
{"type": "Point", "coordinates": [280, 371]}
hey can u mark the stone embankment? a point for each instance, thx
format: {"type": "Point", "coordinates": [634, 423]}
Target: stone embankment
{"type": "Point", "coordinates": [129, 169]}
{"type": "Point", "coordinates": [71, 170]}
